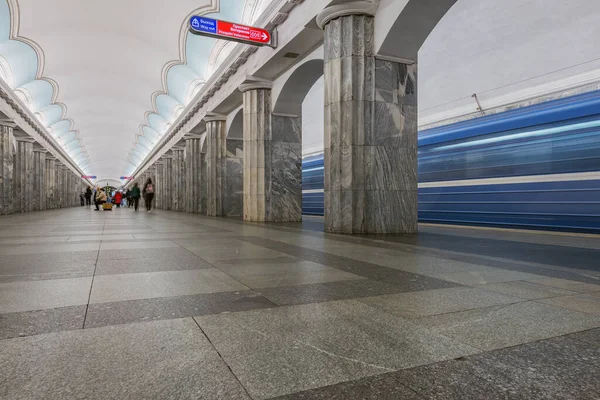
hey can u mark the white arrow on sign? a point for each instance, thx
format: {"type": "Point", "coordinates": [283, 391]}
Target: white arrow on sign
{"type": "Point", "coordinates": [264, 36]}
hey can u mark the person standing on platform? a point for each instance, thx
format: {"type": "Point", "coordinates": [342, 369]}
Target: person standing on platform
{"type": "Point", "coordinates": [128, 196]}
{"type": "Point", "coordinates": [135, 196]}
{"type": "Point", "coordinates": [88, 196]}
{"type": "Point", "coordinates": [118, 197]}
{"type": "Point", "coordinates": [82, 198]}
{"type": "Point", "coordinates": [148, 194]}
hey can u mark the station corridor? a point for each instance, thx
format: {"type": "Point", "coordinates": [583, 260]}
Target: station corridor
{"type": "Point", "coordinates": [166, 305]}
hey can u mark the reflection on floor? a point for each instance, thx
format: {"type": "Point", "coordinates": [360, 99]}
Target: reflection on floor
{"type": "Point", "coordinates": [125, 305]}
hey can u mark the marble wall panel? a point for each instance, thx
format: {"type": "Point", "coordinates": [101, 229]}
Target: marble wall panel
{"type": "Point", "coordinates": [203, 185]}
{"type": "Point", "coordinates": [168, 187]}
{"type": "Point", "coordinates": [23, 173]}
{"type": "Point", "coordinates": [6, 170]}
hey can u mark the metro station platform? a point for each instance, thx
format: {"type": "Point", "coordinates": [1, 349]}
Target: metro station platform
{"type": "Point", "coordinates": [166, 305]}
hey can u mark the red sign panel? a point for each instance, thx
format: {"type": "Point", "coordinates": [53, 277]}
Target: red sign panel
{"type": "Point", "coordinates": [243, 32]}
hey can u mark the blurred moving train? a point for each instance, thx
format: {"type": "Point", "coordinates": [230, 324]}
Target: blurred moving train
{"type": "Point", "coordinates": [533, 167]}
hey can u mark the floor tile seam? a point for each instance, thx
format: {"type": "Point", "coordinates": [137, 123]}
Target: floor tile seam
{"type": "Point", "coordinates": [538, 301]}
{"type": "Point", "coordinates": [223, 359]}
{"type": "Point", "coordinates": [481, 286]}
{"type": "Point", "coordinates": [178, 295]}
{"type": "Point", "coordinates": [431, 331]}
{"type": "Point", "coordinates": [92, 284]}
{"type": "Point", "coordinates": [216, 267]}
{"type": "Point", "coordinates": [363, 263]}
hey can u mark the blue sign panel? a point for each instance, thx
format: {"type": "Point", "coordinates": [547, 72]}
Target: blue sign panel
{"type": "Point", "coordinates": [201, 24]}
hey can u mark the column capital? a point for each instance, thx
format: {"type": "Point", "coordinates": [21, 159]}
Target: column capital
{"type": "Point", "coordinates": [40, 150]}
{"type": "Point", "coordinates": [361, 7]}
{"type": "Point", "coordinates": [25, 139]}
{"type": "Point", "coordinates": [210, 117]}
{"type": "Point", "coordinates": [254, 83]}
{"type": "Point", "coordinates": [190, 136]}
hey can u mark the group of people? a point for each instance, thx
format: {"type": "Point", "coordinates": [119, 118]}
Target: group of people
{"type": "Point", "coordinates": [130, 197]}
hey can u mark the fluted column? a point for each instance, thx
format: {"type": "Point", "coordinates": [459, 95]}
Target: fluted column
{"type": "Point", "coordinates": [216, 151]}
{"type": "Point", "coordinates": [51, 200]}
{"type": "Point", "coordinates": [203, 183]}
{"type": "Point", "coordinates": [193, 171]}
{"type": "Point", "coordinates": [24, 175]}
{"type": "Point", "coordinates": [159, 183]}
{"type": "Point", "coordinates": [178, 179]}
{"type": "Point", "coordinates": [370, 129]}
{"type": "Point", "coordinates": [168, 187]}
{"type": "Point", "coordinates": [39, 179]}
{"type": "Point", "coordinates": [6, 170]}
{"type": "Point", "coordinates": [234, 178]}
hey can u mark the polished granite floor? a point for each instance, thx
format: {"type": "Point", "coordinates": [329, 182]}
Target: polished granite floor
{"type": "Point", "coordinates": [125, 305]}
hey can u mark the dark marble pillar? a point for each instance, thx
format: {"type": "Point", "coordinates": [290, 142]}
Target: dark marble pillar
{"type": "Point", "coordinates": [234, 178]}
{"type": "Point", "coordinates": [23, 173]}
{"type": "Point", "coordinates": [51, 196]}
{"type": "Point", "coordinates": [193, 171]}
{"type": "Point", "coordinates": [168, 187]}
{"type": "Point", "coordinates": [39, 179]}
{"type": "Point", "coordinates": [6, 170]}
{"type": "Point", "coordinates": [216, 152]}
{"type": "Point", "coordinates": [370, 131]}
{"type": "Point", "coordinates": [203, 185]}
{"type": "Point", "coordinates": [272, 159]}
{"type": "Point", "coordinates": [159, 183]}
{"type": "Point", "coordinates": [178, 180]}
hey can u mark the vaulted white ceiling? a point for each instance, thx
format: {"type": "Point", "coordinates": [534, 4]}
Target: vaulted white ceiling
{"type": "Point", "coordinates": [119, 72]}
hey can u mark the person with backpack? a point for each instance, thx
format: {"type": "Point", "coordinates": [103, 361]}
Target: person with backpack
{"type": "Point", "coordinates": [88, 196]}
{"type": "Point", "coordinates": [135, 196]}
{"type": "Point", "coordinates": [148, 194]}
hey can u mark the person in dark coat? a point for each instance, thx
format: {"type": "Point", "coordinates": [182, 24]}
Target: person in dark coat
{"type": "Point", "coordinates": [88, 196]}
{"type": "Point", "coordinates": [135, 196]}
{"type": "Point", "coordinates": [149, 194]}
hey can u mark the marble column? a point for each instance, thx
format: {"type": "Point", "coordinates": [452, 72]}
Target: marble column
{"type": "Point", "coordinates": [58, 184]}
{"type": "Point", "coordinates": [234, 178]}
{"type": "Point", "coordinates": [203, 184]}
{"type": "Point", "coordinates": [168, 187]}
{"type": "Point", "coordinates": [216, 152]}
{"type": "Point", "coordinates": [193, 171]}
{"type": "Point", "coordinates": [370, 129]}
{"type": "Point", "coordinates": [159, 183]}
{"type": "Point", "coordinates": [24, 175]}
{"type": "Point", "coordinates": [6, 170]}
{"type": "Point", "coordinates": [178, 179]}
{"type": "Point", "coordinates": [39, 179]}
{"type": "Point", "coordinates": [64, 198]}
{"type": "Point", "coordinates": [272, 159]}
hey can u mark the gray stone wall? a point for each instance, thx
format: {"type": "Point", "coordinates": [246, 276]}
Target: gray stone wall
{"type": "Point", "coordinates": [6, 170]}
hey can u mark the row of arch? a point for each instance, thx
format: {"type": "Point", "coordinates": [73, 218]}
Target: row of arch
{"type": "Point", "coordinates": [22, 69]}
{"type": "Point", "coordinates": [184, 78]}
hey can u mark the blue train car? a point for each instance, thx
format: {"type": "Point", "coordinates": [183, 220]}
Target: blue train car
{"type": "Point", "coordinates": [533, 167]}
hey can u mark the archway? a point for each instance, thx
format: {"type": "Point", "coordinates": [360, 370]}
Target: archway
{"type": "Point", "coordinates": [234, 165]}
{"type": "Point", "coordinates": [303, 93]}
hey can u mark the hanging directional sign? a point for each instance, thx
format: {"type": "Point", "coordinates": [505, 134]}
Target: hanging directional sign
{"type": "Point", "coordinates": [230, 31]}
{"type": "Point", "coordinates": [126, 178]}
{"type": "Point", "coordinates": [88, 177]}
